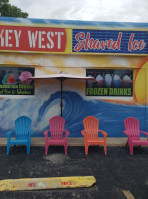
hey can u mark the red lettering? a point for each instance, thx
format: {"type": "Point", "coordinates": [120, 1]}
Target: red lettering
{"type": "Point", "coordinates": [102, 45]}
{"type": "Point", "coordinates": [116, 44]}
{"type": "Point", "coordinates": [142, 44]}
{"type": "Point", "coordinates": [90, 43]}
{"type": "Point", "coordinates": [119, 40]}
{"type": "Point", "coordinates": [98, 45]}
{"type": "Point", "coordinates": [79, 45]}
{"type": "Point", "coordinates": [87, 41]}
{"type": "Point", "coordinates": [130, 42]}
{"type": "Point", "coordinates": [95, 44]}
{"type": "Point", "coordinates": [135, 42]}
{"type": "Point", "coordinates": [110, 44]}
{"type": "Point", "coordinates": [66, 183]}
{"type": "Point", "coordinates": [31, 185]}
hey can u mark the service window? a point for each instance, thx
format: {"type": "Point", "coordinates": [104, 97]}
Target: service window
{"type": "Point", "coordinates": [110, 82]}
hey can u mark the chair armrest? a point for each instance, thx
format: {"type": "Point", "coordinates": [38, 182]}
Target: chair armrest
{"type": "Point", "coordinates": [9, 133]}
{"type": "Point", "coordinates": [83, 132]}
{"type": "Point", "coordinates": [66, 133]}
{"type": "Point", "coordinates": [144, 133]}
{"type": "Point", "coordinates": [125, 132]}
{"type": "Point", "coordinates": [46, 133]}
{"type": "Point", "coordinates": [103, 132]}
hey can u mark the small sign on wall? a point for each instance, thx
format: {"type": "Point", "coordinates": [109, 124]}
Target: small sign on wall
{"type": "Point", "coordinates": [109, 82]}
{"type": "Point", "coordinates": [14, 81]}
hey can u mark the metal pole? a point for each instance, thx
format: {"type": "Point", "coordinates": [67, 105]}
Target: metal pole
{"type": "Point", "coordinates": [61, 96]}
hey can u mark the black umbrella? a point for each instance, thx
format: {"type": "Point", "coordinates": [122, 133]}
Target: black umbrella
{"type": "Point", "coordinates": [61, 77]}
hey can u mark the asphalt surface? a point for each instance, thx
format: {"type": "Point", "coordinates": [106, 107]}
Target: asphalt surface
{"type": "Point", "coordinates": [114, 173]}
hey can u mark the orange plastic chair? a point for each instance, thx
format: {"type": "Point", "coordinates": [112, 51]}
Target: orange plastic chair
{"type": "Point", "coordinates": [56, 133]}
{"type": "Point", "coordinates": [90, 133]}
{"type": "Point", "coordinates": [132, 131]}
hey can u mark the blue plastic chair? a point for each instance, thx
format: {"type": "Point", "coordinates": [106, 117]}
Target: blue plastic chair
{"type": "Point", "coordinates": [22, 133]}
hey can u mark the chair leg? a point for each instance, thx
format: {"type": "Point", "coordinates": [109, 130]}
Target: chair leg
{"type": "Point", "coordinates": [105, 149]}
{"type": "Point", "coordinates": [131, 149]}
{"type": "Point", "coordinates": [28, 149]}
{"type": "Point", "coordinates": [46, 149]}
{"type": "Point", "coordinates": [8, 149]}
{"type": "Point", "coordinates": [65, 147]}
{"type": "Point", "coordinates": [86, 149]}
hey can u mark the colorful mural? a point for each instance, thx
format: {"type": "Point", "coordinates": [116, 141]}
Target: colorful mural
{"type": "Point", "coordinates": [110, 110]}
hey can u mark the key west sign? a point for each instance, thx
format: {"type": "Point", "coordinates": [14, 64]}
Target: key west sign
{"type": "Point", "coordinates": [33, 39]}
{"type": "Point", "coordinates": [109, 41]}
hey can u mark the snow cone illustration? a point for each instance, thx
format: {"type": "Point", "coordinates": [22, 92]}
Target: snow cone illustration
{"type": "Point", "coordinates": [9, 78]}
{"type": "Point", "coordinates": [108, 80]}
{"type": "Point", "coordinates": [99, 80]}
{"type": "Point", "coordinates": [116, 80]}
{"type": "Point", "coordinates": [89, 82]}
{"type": "Point", "coordinates": [126, 81]}
{"type": "Point", "coordinates": [24, 77]}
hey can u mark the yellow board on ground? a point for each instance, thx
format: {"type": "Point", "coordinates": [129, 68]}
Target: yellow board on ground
{"type": "Point", "coordinates": [46, 183]}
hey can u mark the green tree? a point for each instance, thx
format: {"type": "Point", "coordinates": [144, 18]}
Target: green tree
{"type": "Point", "coordinates": [8, 10]}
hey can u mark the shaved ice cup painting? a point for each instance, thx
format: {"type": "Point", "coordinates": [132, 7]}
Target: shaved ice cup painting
{"type": "Point", "coordinates": [9, 78]}
{"type": "Point", "coordinates": [105, 51]}
{"type": "Point", "coordinates": [24, 77]}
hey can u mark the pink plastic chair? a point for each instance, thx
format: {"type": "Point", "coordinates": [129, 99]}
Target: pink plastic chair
{"type": "Point", "coordinates": [132, 131]}
{"type": "Point", "coordinates": [56, 133]}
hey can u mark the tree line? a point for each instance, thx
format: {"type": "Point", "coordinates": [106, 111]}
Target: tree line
{"type": "Point", "coordinates": [8, 10]}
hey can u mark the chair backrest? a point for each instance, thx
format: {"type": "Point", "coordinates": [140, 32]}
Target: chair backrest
{"type": "Point", "coordinates": [22, 127]}
{"type": "Point", "coordinates": [91, 125]}
{"type": "Point", "coordinates": [57, 124]}
{"type": "Point", "coordinates": [132, 126]}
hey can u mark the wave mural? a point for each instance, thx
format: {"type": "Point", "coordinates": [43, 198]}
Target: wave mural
{"type": "Point", "coordinates": [40, 110]}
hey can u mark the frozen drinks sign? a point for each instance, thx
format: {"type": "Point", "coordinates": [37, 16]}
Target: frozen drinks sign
{"type": "Point", "coordinates": [110, 82]}
{"type": "Point", "coordinates": [109, 41]}
{"type": "Point", "coordinates": [32, 39]}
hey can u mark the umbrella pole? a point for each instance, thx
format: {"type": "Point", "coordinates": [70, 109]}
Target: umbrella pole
{"type": "Point", "coordinates": [61, 96]}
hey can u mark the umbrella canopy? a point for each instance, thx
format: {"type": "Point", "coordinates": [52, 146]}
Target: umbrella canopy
{"type": "Point", "coordinates": [61, 77]}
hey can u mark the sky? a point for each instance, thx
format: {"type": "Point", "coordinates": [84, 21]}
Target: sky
{"type": "Point", "coordinates": [86, 10]}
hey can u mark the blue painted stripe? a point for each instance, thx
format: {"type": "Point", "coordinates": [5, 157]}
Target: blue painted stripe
{"type": "Point", "coordinates": [25, 21]}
